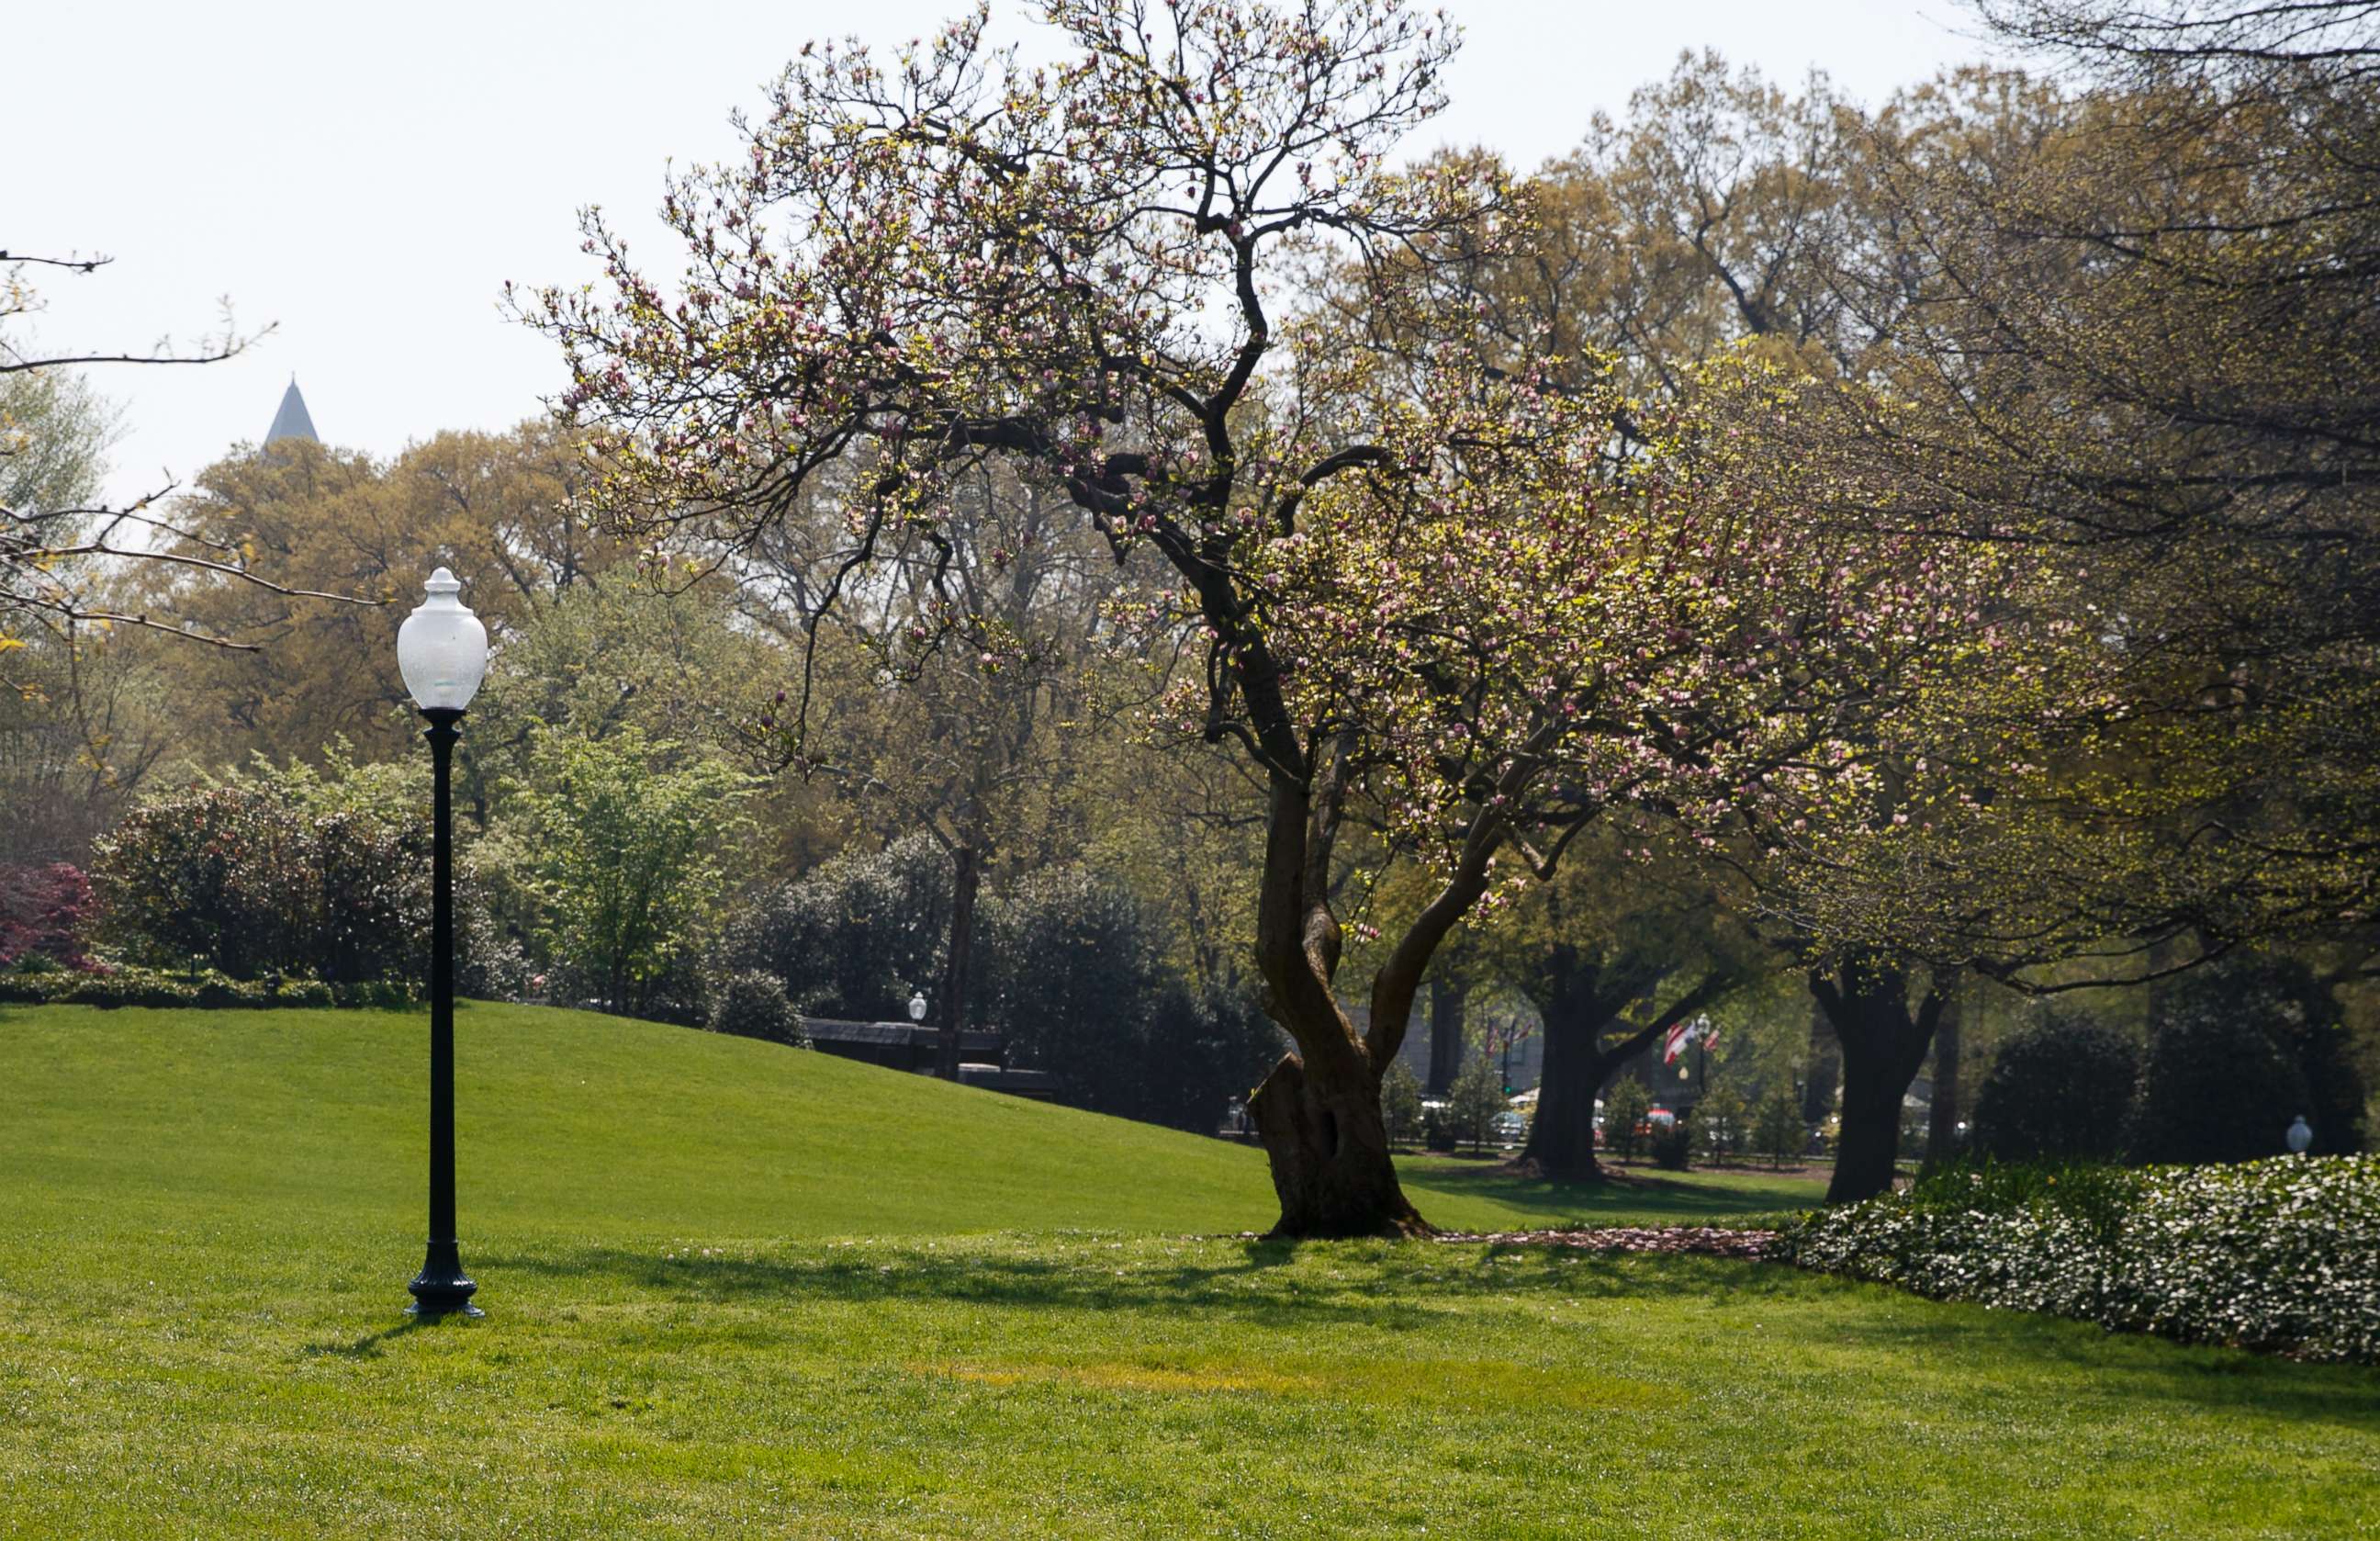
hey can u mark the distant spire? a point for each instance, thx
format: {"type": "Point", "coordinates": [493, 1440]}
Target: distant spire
{"type": "Point", "coordinates": [292, 421]}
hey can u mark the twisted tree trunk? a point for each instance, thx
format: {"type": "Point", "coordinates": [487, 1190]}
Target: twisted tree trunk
{"type": "Point", "coordinates": [1318, 1111]}
{"type": "Point", "coordinates": [1318, 1116]}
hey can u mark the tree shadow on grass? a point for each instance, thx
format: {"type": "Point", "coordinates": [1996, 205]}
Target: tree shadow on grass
{"type": "Point", "coordinates": [1391, 1286]}
{"type": "Point", "coordinates": [1625, 1193]}
{"type": "Point", "coordinates": [1072, 1281]}
{"type": "Point", "coordinates": [1398, 1286]}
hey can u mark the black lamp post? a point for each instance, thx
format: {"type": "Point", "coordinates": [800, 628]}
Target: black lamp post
{"type": "Point", "coordinates": [442, 650]}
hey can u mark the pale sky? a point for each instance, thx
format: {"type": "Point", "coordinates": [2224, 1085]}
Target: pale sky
{"type": "Point", "coordinates": [367, 176]}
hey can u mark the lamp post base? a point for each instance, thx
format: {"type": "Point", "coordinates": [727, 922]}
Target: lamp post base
{"type": "Point", "coordinates": [442, 1288]}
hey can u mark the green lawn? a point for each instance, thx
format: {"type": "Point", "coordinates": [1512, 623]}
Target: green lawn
{"type": "Point", "coordinates": [738, 1291]}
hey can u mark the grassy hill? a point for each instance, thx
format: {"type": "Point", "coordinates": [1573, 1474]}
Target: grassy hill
{"type": "Point", "coordinates": [738, 1291]}
{"type": "Point", "coordinates": [569, 1122]}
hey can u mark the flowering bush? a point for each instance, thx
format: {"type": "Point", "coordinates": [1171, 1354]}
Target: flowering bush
{"type": "Point", "coordinates": [2280, 1254]}
{"type": "Point", "coordinates": [294, 873]}
{"type": "Point", "coordinates": [254, 880]}
{"type": "Point", "coordinates": [42, 910]}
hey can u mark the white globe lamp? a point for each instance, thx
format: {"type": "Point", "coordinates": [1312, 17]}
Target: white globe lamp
{"type": "Point", "coordinates": [442, 650]}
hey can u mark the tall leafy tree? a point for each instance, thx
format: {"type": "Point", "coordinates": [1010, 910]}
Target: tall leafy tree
{"type": "Point", "coordinates": [967, 658]}
{"type": "Point", "coordinates": [626, 848]}
{"type": "Point", "coordinates": [2150, 339]}
{"type": "Point", "coordinates": [299, 670]}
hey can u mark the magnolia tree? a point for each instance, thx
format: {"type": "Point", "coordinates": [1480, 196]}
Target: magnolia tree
{"type": "Point", "coordinates": [1477, 609]}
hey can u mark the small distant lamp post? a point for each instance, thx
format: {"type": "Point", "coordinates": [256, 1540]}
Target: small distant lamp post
{"type": "Point", "coordinates": [2301, 1136]}
{"type": "Point", "coordinates": [917, 1007]}
{"type": "Point", "coordinates": [442, 650]}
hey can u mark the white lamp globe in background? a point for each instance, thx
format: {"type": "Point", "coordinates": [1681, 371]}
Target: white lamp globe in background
{"type": "Point", "coordinates": [2300, 1137]}
{"type": "Point", "coordinates": [917, 1007]}
{"type": "Point", "coordinates": [442, 650]}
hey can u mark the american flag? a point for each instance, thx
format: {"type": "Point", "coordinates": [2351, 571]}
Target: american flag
{"type": "Point", "coordinates": [1679, 1037]}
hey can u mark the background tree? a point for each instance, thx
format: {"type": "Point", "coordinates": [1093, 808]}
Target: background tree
{"type": "Point", "coordinates": [1943, 1138]}
{"type": "Point", "coordinates": [1476, 1100]}
{"type": "Point", "coordinates": [1625, 1103]}
{"type": "Point", "coordinates": [1720, 1118]}
{"type": "Point", "coordinates": [304, 670]}
{"type": "Point", "coordinates": [675, 662]}
{"type": "Point", "coordinates": [624, 848]}
{"type": "Point", "coordinates": [971, 650]}
{"type": "Point", "coordinates": [2149, 338]}
{"type": "Point", "coordinates": [854, 937]}
{"type": "Point", "coordinates": [1778, 1132]}
{"type": "Point", "coordinates": [81, 729]}
{"type": "Point", "coordinates": [1080, 984]}
{"type": "Point", "coordinates": [1611, 952]}
{"type": "Point", "coordinates": [1400, 1103]}
{"type": "Point", "coordinates": [2235, 1051]}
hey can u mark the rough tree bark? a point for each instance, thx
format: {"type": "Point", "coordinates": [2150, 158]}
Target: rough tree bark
{"type": "Point", "coordinates": [1446, 1020]}
{"type": "Point", "coordinates": [1884, 1042]}
{"type": "Point", "coordinates": [966, 876]}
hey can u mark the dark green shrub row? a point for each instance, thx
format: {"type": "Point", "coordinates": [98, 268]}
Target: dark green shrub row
{"type": "Point", "coordinates": [2280, 1254]}
{"type": "Point", "coordinates": [206, 988]}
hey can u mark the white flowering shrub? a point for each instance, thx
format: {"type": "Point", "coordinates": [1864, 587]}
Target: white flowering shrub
{"type": "Point", "coordinates": [2280, 1254]}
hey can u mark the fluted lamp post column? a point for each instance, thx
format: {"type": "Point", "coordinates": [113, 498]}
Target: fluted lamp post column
{"type": "Point", "coordinates": [442, 650]}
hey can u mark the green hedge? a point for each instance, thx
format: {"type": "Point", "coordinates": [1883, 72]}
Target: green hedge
{"type": "Point", "coordinates": [2280, 1254]}
{"type": "Point", "coordinates": [206, 988]}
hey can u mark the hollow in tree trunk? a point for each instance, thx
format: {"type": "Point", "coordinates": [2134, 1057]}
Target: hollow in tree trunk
{"type": "Point", "coordinates": [1328, 1149]}
{"type": "Point", "coordinates": [1866, 999]}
